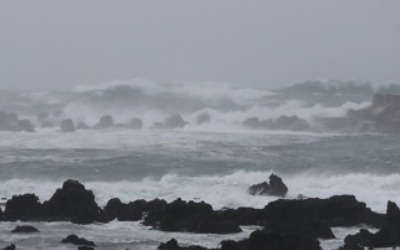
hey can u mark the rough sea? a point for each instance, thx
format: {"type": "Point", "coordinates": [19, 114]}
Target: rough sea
{"type": "Point", "coordinates": [213, 162]}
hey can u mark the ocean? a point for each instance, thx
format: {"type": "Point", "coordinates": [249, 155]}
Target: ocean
{"type": "Point", "coordinates": [215, 161]}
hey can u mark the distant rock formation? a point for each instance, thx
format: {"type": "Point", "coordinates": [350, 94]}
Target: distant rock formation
{"type": "Point", "coordinates": [135, 123]}
{"type": "Point", "coordinates": [106, 121]}
{"type": "Point", "coordinates": [11, 122]}
{"type": "Point", "coordinates": [202, 118]}
{"type": "Point", "coordinates": [291, 123]}
{"type": "Point", "coordinates": [384, 113]}
{"type": "Point", "coordinates": [67, 126]}
{"type": "Point", "coordinates": [173, 121]}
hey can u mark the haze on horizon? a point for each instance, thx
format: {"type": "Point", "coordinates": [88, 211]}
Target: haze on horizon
{"type": "Point", "coordinates": [47, 44]}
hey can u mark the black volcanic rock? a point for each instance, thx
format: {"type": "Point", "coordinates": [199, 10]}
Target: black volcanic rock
{"type": "Point", "coordinates": [67, 126]}
{"type": "Point", "coordinates": [388, 235]}
{"type": "Point", "coordinates": [22, 207]}
{"type": "Point", "coordinates": [123, 212]}
{"type": "Point", "coordinates": [258, 240]}
{"type": "Point", "coordinates": [25, 229]}
{"type": "Point", "coordinates": [275, 187]}
{"type": "Point", "coordinates": [190, 217]}
{"type": "Point", "coordinates": [75, 240]}
{"type": "Point", "coordinates": [343, 210]}
{"type": "Point", "coordinates": [10, 247]}
{"type": "Point", "coordinates": [172, 244]}
{"type": "Point", "coordinates": [132, 211]}
{"type": "Point", "coordinates": [72, 203]}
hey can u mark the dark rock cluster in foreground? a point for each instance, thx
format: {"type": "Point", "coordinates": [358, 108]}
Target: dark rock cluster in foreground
{"type": "Point", "coordinates": [286, 224]}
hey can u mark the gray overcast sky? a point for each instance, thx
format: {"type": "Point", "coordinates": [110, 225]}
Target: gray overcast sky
{"type": "Point", "coordinates": [62, 43]}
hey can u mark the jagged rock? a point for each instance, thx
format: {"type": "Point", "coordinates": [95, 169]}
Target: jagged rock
{"type": "Point", "coordinates": [75, 240]}
{"type": "Point", "coordinates": [67, 126]}
{"type": "Point", "coordinates": [275, 187]}
{"type": "Point", "coordinates": [105, 122]}
{"type": "Point", "coordinates": [135, 123]}
{"type": "Point", "coordinates": [25, 229]}
{"type": "Point", "coordinates": [190, 217]}
{"type": "Point", "coordinates": [202, 118]}
{"type": "Point", "coordinates": [72, 203]}
{"type": "Point", "coordinates": [22, 207]}
{"type": "Point", "coordinates": [10, 247]}
{"type": "Point", "coordinates": [25, 125]}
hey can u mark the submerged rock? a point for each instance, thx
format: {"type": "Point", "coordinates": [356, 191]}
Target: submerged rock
{"type": "Point", "coordinates": [75, 240]}
{"type": "Point", "coordinates": [275, 187]}
{"type": "Point", "coordinates": [25, 229]}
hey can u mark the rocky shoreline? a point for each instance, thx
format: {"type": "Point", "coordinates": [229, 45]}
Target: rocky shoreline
{"type": "Point", "coordinates": [286, 224]}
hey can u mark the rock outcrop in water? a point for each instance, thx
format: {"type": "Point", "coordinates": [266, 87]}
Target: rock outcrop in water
{"type": "Point", "coordinates": [70, 203]}
{"type": "Point", "coordinates": [75, 240]}
{"type": "Point", "coordinates": [275, 187]}
{"type": "Point", "coordinates": [25, 229]}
